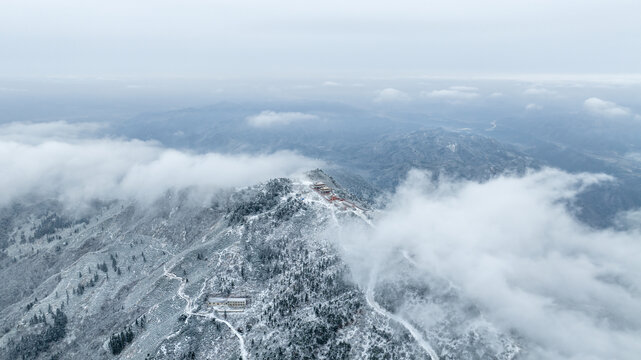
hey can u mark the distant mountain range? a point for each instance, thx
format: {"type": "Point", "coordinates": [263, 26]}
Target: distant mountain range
{"type": "Point", "coordinates": [379, 149]}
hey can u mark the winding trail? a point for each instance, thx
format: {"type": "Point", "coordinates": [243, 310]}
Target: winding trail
{"type": "Point", "coordinates": [189, 311]}
{"type": "Point", "coordinates": [241, 341]}
{"type": "Point", "coordinates": [369, 296]}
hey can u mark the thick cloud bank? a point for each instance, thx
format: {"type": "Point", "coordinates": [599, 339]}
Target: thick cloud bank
{"type": "Point", "coordinates": [59, 160]}
{"type": "Point", "coordinates": [511, 246]}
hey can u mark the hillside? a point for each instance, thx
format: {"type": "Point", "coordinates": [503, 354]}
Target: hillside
{"type": "Point", "coordinates": [133, 283]}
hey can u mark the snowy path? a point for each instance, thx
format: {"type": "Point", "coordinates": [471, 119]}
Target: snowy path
{"type": "Point", "coordinates": [189, 307]}
{"type": "Point", "coordinates": [241, 341]}
{"type": "Point", "coordinates": [369, 296]}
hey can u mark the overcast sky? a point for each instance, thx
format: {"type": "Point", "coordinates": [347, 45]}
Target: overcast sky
{"type": "Point", "coordinates": [239, 38]}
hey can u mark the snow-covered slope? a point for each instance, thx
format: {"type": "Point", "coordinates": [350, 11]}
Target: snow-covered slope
{"type": "Point", "coordinates": [134, 283]}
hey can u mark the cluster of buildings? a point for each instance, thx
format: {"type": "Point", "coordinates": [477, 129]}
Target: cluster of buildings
{"type": "Point", "coordinates": [326, 192]}
{"type": "Point", "coordinates": [322, 188]}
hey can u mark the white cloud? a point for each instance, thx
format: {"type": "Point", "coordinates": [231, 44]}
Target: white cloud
{"type": "Point", "coordinates": [392, 95]}
{"type": "Point", "coordinates": [634, 156]}
{"type": "Point", "coordinates": [539, 91]}
{"type": "Point", "coordinates": [629, 220]}
{"type": "Point", "coordinates": [34, 133]}
{"type": "Point", "coordinates": [453, 93]}
{"type": "Point", "coordinates": [271, 118]}
{"type": "Point", "coordinates": [533, 107]}
{"type": "Point", "coordinates": [511, 247]}
{"type": "Point", "coordinates": [341, 84]}
{"type": "Point", "coordinates": [464, 88]}
{"type": "Point", "coordinates": [77, 169]}
{"type": "Point", "coordinates": [605, 108]}
{"type": "Point", "coordinates": [496, 94]}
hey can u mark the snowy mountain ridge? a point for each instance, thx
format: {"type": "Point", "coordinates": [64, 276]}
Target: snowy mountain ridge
{"type": "Point", "coordinates": [134, 284]}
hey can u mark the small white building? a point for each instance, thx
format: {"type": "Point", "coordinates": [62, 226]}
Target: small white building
{"type": "Point", "coordinates": [235, 302]}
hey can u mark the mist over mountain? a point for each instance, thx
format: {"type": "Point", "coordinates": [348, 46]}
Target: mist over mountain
{"type": "Point", "coordinates": [286, 180]}
{"type": "Point", "coordinates": [113, 246]}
